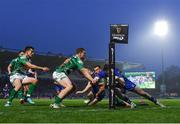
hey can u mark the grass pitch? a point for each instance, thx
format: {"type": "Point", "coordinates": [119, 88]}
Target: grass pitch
{"type": "Point", "coordinates": [77, 112]}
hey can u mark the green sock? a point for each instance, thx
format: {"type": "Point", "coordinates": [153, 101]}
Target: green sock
{"type": "Point", "coordinates": [20, 94]}
{"type": "Point", "coordinates": [31, 89]}
{"type": "Point", "coordinates": [58, 100]}
{"type": "Point", "coordinates": [12, 95]}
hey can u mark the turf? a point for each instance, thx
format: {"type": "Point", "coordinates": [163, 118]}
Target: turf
{"type": "Point", "coordinates": [76, 111]}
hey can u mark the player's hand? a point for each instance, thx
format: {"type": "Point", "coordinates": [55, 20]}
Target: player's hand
{"type": "Point", "coordinates": [45, 69]}
{"type": "Point", "coordinates": [97, 95]}
{"type": "Point", "coordinates": [93, 81]}
{"type": "Point", "coordinates": [79, 92]}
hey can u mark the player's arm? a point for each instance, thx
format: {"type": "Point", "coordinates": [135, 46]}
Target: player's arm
{"type": "Point", "coordinates": [32, 66]}
{"type": "Point", "coordinates": [33, 72]}
{"type": "Point", "coordinates": [87, 88]}
{"type": "Point", "coordinates": [9, 68]}
{"type": "Point", "coordinates": [30, 71]}
{"type": "Point", "coordinates": [87, 75]}
{"type": "Point", "coordinates": [66, 61]}
{"type": "Point", "coordinates": [101, 89]}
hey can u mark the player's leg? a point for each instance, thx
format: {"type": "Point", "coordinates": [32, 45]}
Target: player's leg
{"type": "Point", "coordinates": [21, 95]}
{"type": "Point", "coordinates": [141, 92]}
{"type": "Point", "coordinates": [121, 86]}
{"type": "Point", "coordinates": [73, 89]}
{"type": "Point", "coordinates": [120, 102]}
{"type": "Point", "coordinates": [90, 97]}
{"type": "Point", "coordinates": [26, 89]}
{"type": "Point", "coordinates": [62, 80]}
{"type": "Point", "coordinates": [58, 89]}
{"type": "Point", "coordinates": [32, 85]}
{"type": "Point", "coordinates": [124, 98]}
{"type": "Point", "coordinates": [66, 83]}
{"type": "Point", "coordinates": [17, 85]}
{"type": "Point", "coordinates": [97, 98]}
{"type": "Point", "coordinates": [93, 102]}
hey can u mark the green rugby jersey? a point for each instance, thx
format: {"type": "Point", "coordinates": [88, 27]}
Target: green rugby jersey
{"type": "Point", "coordinates": [19, 65]}
{"type": "Point", "coordinates": [71, 64]}
{"type": "Point", "coordinates": [13, 64]}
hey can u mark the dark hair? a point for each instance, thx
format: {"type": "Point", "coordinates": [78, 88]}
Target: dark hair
{"type": "Point", "coordinates": [97, 66]}
{"type": "Point", "coordinates": [28, 48]}
{"type": "Point", "coordinates": [79, 50]}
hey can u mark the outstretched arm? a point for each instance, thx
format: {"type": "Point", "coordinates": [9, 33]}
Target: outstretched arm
{"type": "Point", "coordinates": [32, 66]}
{"type": "Point", "coordinates": [87, 75]}
{"type": "Point", "coordinates": [87, 88]}
{"type": "Point", "coordinates": [101, 89]}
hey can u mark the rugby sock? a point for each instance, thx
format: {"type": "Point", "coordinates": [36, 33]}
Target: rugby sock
{"type": "Point", "coordinates": [20, 94]}
{"type": "Point", "coordinates": [12, 95]}
{"type": "Point", "coordinates": [118, 100]}
{"type": "Point", "coordinates": [57, 100]}
{"type": "Point", "coordinates": [154, 100]}
{"type": "Point", "coordinates": [31, 89]}
{"type": "Point", "coordinates": [126, 99]}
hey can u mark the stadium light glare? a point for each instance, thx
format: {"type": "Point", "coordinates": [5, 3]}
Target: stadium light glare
{"type": "Point", "coordinates": [161, 28]}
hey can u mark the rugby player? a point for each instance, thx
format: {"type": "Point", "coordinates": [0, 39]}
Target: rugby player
{"type": "Point", "coordinates": [60, 75]}
{"type": "Point", "coordinates": [126, 84]}
{"type": "Point", "coordinates": [18, 74]}
{"type": "Point", "coordinates": [97, 91]}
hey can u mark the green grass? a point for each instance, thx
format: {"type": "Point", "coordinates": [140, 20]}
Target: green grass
{"type": "Point", "coordinates": [76, 111]}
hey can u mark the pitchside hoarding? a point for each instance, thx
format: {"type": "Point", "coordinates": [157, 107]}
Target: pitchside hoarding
{"type": "Point", "coordinates": [145, 80]}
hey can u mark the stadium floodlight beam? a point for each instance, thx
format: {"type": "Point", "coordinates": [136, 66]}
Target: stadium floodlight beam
{"type": "Point", "coordinates": [161, 28]}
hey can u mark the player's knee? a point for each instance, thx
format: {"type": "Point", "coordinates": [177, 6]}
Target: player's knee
{"type": "Point", "coordinates": [69, 87]}
{"type": "Point", "coordinates": [17, 87]}
{"type": "Point", "coordinates": [34, 81]}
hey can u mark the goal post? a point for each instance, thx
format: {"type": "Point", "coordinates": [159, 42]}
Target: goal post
{"type": "Point", "coordinates": [118, 34]}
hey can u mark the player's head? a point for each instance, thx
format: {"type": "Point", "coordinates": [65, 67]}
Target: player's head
{"type": "Point", "coordinates": [97, 69]}
{"type": "Point", "coordinates": [81, 52]}
{"type": "Point", "coordinates": [118, 29]}
{"type": "Point", "coordinates": [20, 53]}
{"type": "Point", "coordinates": [29, 51]}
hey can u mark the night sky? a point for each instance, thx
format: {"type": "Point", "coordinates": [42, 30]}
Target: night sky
{"type": "Point", "coordinates": [60, 26]}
